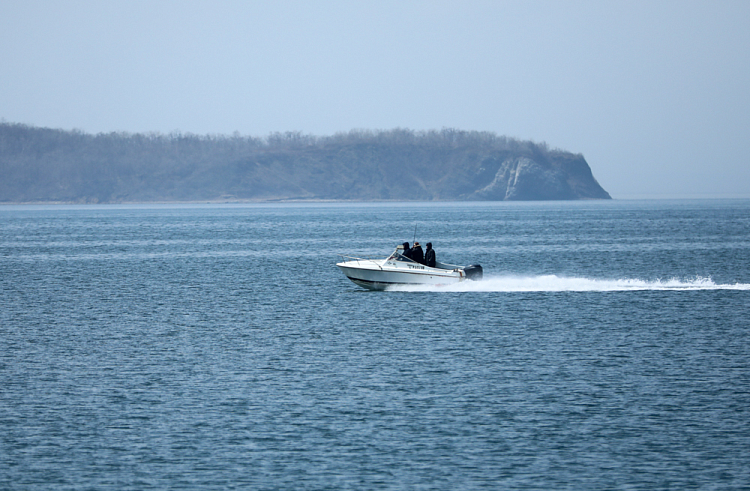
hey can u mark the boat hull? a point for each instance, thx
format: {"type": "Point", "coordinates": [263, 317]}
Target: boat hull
{"type": "Point", "coordinates": [374, 276]}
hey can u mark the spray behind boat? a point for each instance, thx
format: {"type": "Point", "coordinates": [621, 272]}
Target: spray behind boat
{"type": "Point", "coordinates": [473, 272]}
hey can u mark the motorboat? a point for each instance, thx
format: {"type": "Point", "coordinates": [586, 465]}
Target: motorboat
{"type": "Point", "coordinates": [397, 269]}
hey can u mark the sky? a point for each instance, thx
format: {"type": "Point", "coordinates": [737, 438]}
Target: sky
{"type": "Point", "coordinates": [654, 94]}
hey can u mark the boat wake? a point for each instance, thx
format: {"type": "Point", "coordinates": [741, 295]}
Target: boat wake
{"type": "Point", "coordinates": [553, 283]}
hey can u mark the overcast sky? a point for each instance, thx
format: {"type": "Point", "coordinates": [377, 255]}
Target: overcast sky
{"type": "Point", "coordinates": [655, 95]}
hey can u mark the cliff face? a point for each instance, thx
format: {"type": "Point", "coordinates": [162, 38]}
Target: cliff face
{"type": "Point", "coordinates": [38, 164]}
{"type": "Point", "coordinates": [562, 177]}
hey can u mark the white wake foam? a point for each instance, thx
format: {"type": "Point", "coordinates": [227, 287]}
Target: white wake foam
{"type": "Point", "coordinates": [553, 283]}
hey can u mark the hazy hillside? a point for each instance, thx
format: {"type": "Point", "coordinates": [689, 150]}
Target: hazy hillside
{"type": "Point", "coordinates": [46, 165]}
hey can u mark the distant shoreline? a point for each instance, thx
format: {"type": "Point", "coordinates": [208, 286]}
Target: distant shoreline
{"type": "Point", "coordinates": [42, 165]}
{"type": "Point", "coordinates": [320, 201]}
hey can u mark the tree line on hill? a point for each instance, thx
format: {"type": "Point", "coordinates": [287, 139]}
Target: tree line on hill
{"type": "Point", "coordinates": [52, 165]}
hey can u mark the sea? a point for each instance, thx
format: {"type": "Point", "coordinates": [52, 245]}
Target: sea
{"type": "Point", "coordinates": [218, 346]}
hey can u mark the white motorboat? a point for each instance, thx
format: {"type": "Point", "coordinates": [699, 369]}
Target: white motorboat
{"type": "Point", "coordinates": [397, 269]}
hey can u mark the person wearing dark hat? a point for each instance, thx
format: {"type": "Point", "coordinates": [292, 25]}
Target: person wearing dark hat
{"type": "Point", "coordinates": [429, 256]}
{"type": "Point", "coordinates": [417, 254]}
{"type": "Point", "coordinates": [407, 251]}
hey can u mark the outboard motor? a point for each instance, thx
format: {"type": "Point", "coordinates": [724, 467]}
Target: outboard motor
{"type": "Point", "coordinates": [473, 272]}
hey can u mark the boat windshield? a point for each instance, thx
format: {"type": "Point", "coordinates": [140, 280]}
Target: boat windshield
{"type": "Point", "coordinates": [397, 256]}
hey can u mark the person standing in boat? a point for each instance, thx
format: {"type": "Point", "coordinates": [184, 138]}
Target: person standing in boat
{"type": "Point", "coordinates": [429, 256]}
{"type": "Point", "coordinates": [407, 250]}
{"type": "Point", "coordinates": [417, 254]}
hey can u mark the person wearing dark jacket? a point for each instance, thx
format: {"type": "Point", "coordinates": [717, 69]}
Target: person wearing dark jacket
{"type": "Point", "coordinates": [407, 251]}
{"type": "Point", "coordinates": [417, 254]}
{"type": "Point", "coordinates": [429, 256]}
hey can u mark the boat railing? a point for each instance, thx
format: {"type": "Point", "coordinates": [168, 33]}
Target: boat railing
{"type": "Point", "coordinates": [371, 259]}
{"type": "Point", "coordinates": [380, 260]}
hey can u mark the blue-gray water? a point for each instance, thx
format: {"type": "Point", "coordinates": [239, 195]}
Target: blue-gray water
{"type": "Point", "coordinates": [218, 347]}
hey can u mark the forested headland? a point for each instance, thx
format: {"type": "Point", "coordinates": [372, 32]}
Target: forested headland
{"type": "Point", "coordinates": [52, 165]}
